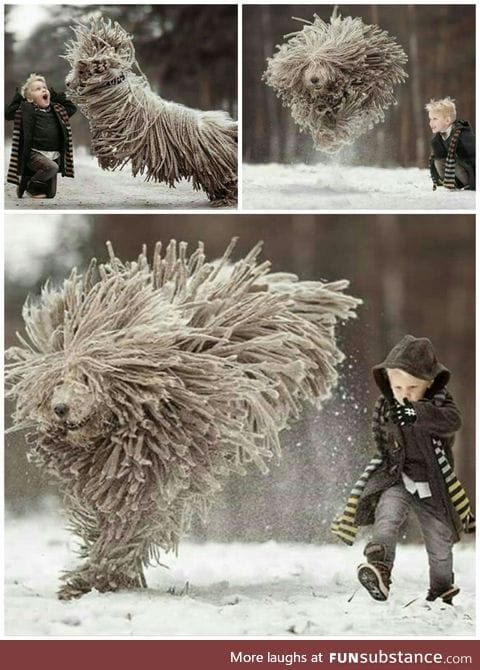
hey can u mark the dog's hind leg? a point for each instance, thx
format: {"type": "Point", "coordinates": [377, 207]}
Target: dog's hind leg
{"type": "Point", "coordinates": [226, 196]}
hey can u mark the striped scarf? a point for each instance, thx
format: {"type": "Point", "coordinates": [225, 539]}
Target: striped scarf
{"type": "Point", "coordinates": [449, 177]}
{"type": "Point", "coordinates": [13, 176]}
{"type": "Point", "coordinates": [345, 527]}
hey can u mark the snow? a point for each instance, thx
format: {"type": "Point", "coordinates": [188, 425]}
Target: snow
{"type": "Point", "coordinates": [94, 188]}
{"type": "Point", "coordinates": [232, 590]}
{"type": "Point", "coordinates": [337, 187]}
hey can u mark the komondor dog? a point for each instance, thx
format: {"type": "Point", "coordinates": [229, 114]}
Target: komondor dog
{"type": "Point", "coordinates": [337, 78]}
{"type": "Point", "coordinates": [129, 123]}
{"type": "Point", "coordinates": [142, 387]}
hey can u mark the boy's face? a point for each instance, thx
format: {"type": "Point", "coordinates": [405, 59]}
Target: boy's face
{"type": "Point", "coordinates": [439, 122]}
{"type": "Point", "coordinates": [38, 93]}
{"type": "Point", "coordinates": [405, 385]}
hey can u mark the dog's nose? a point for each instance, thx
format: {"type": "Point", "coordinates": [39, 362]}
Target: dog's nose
{"type": "Point", "coordinates": [314, 80]}
{"type": "Point", "coordinates": [61, 410]}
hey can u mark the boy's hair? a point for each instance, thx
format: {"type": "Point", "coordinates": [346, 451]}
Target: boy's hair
{"type": "Point", "coordinates": [31, 78]}
{"type": "Point", "coordinates": [445, 107]}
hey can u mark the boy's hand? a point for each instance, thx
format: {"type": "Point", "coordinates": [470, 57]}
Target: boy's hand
{"type": "Point", "coordinates": [403, 415]}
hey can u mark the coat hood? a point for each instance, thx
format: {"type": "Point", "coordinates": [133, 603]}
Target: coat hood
{"type": "Point", "coordinates": [463, 124]}
{"type": "Point", "coordinates": [416, 356]}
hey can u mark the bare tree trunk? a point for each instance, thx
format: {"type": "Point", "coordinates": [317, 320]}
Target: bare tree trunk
{"type": "Point", "coordinates": [417, 102]}
{"type": "Point", "coordinates": [392, 276]}
{"type": "Point", "coordinates": [291, 142]}
{"type": "Point", "coordinates": [443, 44]}
{"type": "Point", "coordinates": [273, 129]}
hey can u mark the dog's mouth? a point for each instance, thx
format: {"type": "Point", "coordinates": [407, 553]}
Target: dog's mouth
{"type": "Point", "coordinates": [71, 426]}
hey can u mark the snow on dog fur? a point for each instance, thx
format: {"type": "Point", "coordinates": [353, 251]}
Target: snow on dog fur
{"type": "Point", "coordinates": [142, 387]}
{"type": "Point", "coordinates": [129, 123]}
{"type": "Point", "coordinates": [337, 78]}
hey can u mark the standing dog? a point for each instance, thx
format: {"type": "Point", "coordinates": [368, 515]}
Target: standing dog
{"type": "Point", "coordinates": [144, 386]}
{"type": "Point", "coordinates": [129, 123]}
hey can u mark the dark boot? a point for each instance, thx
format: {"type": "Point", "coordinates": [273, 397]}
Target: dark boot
{"type": "Point", "coordinates": [22, 186]}
{"type": "Point", "coordinates": [447, 596]}
{"type": "Point", "coordinates": [375, 575]}
{"type": "Point", "coordinates": [52, 187]}
{"type": "Point", "coordinates": [36, 189]}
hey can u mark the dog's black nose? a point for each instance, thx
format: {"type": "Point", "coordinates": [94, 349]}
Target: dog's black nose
{"type": "Point", "coordinates": [314, 80]}
{"type": "Point", "coordinates": [61, 410]}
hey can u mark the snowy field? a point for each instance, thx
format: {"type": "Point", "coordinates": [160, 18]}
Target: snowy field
{"type": "Point", "coordinates": [93, 188]}
{"type": "Point", "coordinates": [233, 590]}
{"type": "Point", "coordinates": [334, 187]}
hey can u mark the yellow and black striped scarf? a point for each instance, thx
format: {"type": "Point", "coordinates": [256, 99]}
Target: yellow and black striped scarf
{"type": "Point", "coordinates": [345, 527]}
{"type": "Point", "coordinates": [449, 177]}
{"type": "Point", "coordinates": [13, 176]}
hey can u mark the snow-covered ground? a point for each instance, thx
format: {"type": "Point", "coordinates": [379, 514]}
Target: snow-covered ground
{"type": "Point", "coordinates": [212, 589]}
{"type": "Point", "coordinates": [94, 188]}
{"type": "Point", "coordinates": [329, 186]}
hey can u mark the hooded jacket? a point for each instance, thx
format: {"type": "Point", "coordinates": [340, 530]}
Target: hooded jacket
{"type": "Point", "coordinates": [437, 418]}
{"type": "Point", "coordinates": [465, 152]}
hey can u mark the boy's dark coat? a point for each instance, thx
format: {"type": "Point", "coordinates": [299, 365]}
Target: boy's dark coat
{"type": "Point", "coordinates": [465, 150]}
{"type": "Point", "coordinates": [62, 108]}
{"type": "Point", "coordinates": [437, 417]}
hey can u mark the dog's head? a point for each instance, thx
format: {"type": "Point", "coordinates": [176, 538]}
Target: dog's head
{"type": "Point", "coordinates": [100, 55]}
{"type": "Point", "coordinates": [76, 408]}
{"type": "Point", "coordinates": [94, 73]}
{"type": "Point", "coordinates": [317, 61]}
{"type": "Point", "coordinates": [319, 77]}
{"type": "Point", "coordinates": [96, 359]}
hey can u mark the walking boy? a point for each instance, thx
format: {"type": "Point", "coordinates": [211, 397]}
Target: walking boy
{"type": "Point", "coordinates": [414, 425]}
{"type": "Point", "coordinates": [42, 138]}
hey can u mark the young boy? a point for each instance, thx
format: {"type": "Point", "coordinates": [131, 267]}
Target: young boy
{"type": "Point", "coordinates": [414, 424]}
{"type": "Point", "coordinates": [42, 138]}
{"type": "Point", "coordinates": [452, 160]}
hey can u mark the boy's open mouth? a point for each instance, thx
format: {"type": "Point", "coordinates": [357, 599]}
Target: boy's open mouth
{"type": "Point", "coordinates": [45, 96]}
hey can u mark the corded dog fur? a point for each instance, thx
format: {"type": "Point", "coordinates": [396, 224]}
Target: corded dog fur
{"type": "Point", "coordinates": [129, 123]}
{"type": "Point", "coordinates": [337, 78]}
{"type": "Point", "coordinates": [142, 387]}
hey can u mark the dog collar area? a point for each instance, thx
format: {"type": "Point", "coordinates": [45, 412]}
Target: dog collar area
{"type": "Point", "coordinates": [117, 80]}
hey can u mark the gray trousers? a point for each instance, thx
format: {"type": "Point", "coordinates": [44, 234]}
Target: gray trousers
{"type": "Point", "coordinates": [392, 510]}
{"type": "Point", "coordinates": [43, 170]}
{"type": "Point", "coordinates": [460, 173]}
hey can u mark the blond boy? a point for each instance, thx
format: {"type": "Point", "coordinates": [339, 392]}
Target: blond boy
{"type": "Point", "coordinates": [452, 158]}
{"type": "Point", "coordinates": [42, 139]}
{"type": "Point", "coordinates": [413, 425]}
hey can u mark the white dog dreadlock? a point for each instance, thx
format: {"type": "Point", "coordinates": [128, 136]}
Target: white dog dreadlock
{"type": "Point", "coordinates": [337, 78]}
{"type": "Point", "coordinates": [130, 123]}
{"type": "Point", "coordinates": [144, 386]}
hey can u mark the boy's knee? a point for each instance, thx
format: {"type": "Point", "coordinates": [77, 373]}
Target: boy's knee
{"type": "Point", "coordinates": [51, 169]}
{"type": "Point", "coordinates": [440, 167]}
{"type": "Point", "coordinates": [461, 174]}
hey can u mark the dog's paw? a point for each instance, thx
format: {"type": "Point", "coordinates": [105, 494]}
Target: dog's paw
{"type": "Point", "coordinates": [224, 202]}
{"type": "Point", "coordinates": [226, 196]}
{"type": "Point", "coordinates": [71, 592]}
{"type": "Point", "coordinates": [75, 586]}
